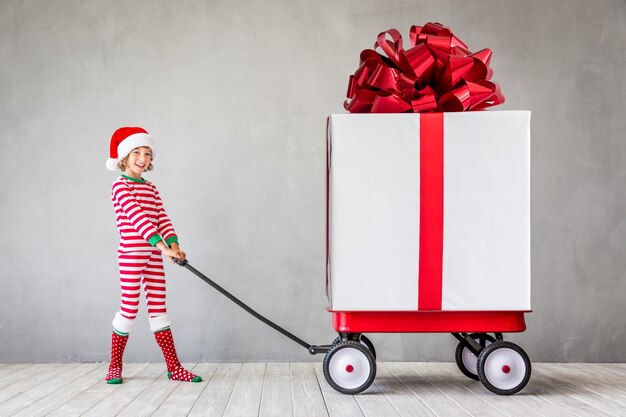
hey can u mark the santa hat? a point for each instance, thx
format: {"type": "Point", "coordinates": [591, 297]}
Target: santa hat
{"type": "Point", "coordinates": [124, 140]}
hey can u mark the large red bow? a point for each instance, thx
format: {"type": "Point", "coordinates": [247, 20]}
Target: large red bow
{"type": "Point", "coordinates": [438, 73]}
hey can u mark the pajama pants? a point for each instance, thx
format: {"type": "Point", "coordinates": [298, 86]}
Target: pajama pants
{"type": "Point", "coordinates": [139, 269]}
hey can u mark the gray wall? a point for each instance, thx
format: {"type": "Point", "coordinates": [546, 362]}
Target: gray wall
{"type": "Point", "coordinates": [236, 95]}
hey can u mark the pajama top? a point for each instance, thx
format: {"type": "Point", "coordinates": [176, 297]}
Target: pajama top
{"type": "Point", "coordinates": [140, 216]}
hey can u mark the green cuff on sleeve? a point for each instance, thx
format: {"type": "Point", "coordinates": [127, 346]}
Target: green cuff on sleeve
{"type": "Point", "coordinates": [155, 239]}
{"type": "Point", "coordinates": [170, 240]}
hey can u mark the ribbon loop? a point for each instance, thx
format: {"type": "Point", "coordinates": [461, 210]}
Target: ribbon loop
{"type": "Point", "coordinates": [437, 73]}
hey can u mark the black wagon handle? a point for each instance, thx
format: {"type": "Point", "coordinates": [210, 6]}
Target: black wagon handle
{"type": "Point", "coordinates": [313, 349]}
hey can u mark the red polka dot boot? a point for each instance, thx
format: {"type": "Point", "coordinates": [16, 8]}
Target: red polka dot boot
{"type": "Point", "coordinates": [175, 370]}
{"type": "Point", "coordinates": [118, 344]}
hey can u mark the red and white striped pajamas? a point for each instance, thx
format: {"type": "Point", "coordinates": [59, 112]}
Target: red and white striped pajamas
{"type": "Point", "coordinates": [142, 223]}
{"type": "Point", "coordinates": [142, 269]}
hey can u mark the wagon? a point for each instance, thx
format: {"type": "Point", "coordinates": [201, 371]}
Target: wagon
{"type": "Point", "coordinates": [481, 354]}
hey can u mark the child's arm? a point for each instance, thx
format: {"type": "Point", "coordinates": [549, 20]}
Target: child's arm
{"type": "Point", "coordinates": [133, 211]}
{"type": "Point", "coordinates": [166, 228]}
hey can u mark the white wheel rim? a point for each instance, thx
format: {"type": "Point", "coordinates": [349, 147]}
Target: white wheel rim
{"type": "Point", "coordinates": [470, 360]}
{"type": "Point", "coordinates": [505, 368]}
{"type": "Point", "coordinates": [349, 368]}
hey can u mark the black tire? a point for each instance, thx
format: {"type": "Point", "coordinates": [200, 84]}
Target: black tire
{"type": "Point", "coordinates": [364, 341]}
{"type": "Point", "coordinates": [360, 361]}
{"type": "Point", "coordinates": [503, 368]}
{"type": "Point", "coordinates": [461, 355]}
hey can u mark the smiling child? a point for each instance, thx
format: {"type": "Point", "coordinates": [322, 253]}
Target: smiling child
{"type": "Point", "coordinates": [146, 232]}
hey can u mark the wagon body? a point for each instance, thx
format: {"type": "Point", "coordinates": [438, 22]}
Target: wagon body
{"type": "Point", "coordinates": [428, 321]}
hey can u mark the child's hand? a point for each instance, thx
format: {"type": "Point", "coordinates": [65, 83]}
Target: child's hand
{"type": "Point", "coordinates": [173, 252]}
{"type": "Point", "coordinates": [178, 253]}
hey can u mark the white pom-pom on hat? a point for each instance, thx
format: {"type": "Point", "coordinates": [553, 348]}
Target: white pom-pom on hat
{"type": "Point", "coordinates": [124, 140]}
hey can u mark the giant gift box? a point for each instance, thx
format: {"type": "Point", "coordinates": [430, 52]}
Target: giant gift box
{"type": "Point", "coordinates": [429, 212]}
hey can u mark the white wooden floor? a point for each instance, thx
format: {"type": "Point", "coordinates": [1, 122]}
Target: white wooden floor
{"type": "Point", "coordinates": [299, 389]}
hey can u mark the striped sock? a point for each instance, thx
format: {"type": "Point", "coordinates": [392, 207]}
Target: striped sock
{"type": "Point", "coordinates": [175, 370]}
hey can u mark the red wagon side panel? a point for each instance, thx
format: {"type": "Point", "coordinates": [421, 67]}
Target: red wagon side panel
{"type": "Point", "coordinates": [429, 321]}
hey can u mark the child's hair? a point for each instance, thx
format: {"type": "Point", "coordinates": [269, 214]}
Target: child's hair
{"type": "Point", "coordinates": [123, 164]}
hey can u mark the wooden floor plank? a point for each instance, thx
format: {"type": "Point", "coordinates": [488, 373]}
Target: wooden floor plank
{"type": "Point", "coordinates": [337, 404]}
{"type": "Point", "coordinates": [597, 382]}
{"type": "Point", "coordinates": [406, 403]}
{"type": "Point", "coordinates": [276, 398]}
{"type": "Point", "coordinates": [149, 400]}
{"type": "Point", "coordinates": [603, 406]}
{"type": "Point", "coordinates": [508, 405]}
{"type": "Point", "coordinates": [65, 393]}
{"type": "Point", "coordinates": [529, 397]}
{"type": "Point", "coordinates": [16, 383]}
{"type": "Point", "coordinates": [598, 374]}
{"type": "Point", "coordinates": [561, 395]}
{"type": "Point", "coordinates": [307, 395]}
{"type": "Point", "coordinates": [182, 399]}
{"type": "Point", "coordinates": [614, 371]}
{"type": "Point", "coordinates": [431, 394]}
{"type": "Point", "coordinates": [300, 389]}
{"type": "Point", "coordinates": [442, 376]}
{"type": "Point", "coordinates": [98, 392]}
{"type": "Point", "coordinates": [13, 369]}
{"type": "Point", "coordinates": [131, 388]}
{"type": "Point", "coordinates": [373, 403]}
{"type": "Point", "coordinates": [246, 395]}
{"type": "Point", "coordinates": [435, 399]}
{"type": "Point", "coordinates": [213, 400]}
{"type": "Point", "coordinates": [41, 386]}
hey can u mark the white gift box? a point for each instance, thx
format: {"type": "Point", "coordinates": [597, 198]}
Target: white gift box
{"type": "Point", "coordinates": [429, 212]}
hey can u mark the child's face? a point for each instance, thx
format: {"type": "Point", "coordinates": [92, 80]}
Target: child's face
{"type": "Point", "coordinates": [139, 160]}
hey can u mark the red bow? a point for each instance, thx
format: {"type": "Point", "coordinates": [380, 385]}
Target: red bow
{"type": "Point", "coordinates": [438, 73]}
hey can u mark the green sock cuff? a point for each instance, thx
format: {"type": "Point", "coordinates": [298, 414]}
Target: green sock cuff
{"type": "Point", "coordinates": [162, 330]}
{"type": "Point", "coordinates": [117, 332]}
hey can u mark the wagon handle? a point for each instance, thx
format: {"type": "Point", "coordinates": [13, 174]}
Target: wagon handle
{"type": "Point", "coordinates": [313, 349]}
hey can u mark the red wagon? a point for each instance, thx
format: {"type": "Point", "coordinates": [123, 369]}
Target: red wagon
{"type": "Point", "coordinates": [503, 367]}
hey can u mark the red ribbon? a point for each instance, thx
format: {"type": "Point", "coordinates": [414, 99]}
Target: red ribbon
{"type": "Point", "coordinates": [430, 283]}
{"type": "Point", "coordinates": [438, 73]}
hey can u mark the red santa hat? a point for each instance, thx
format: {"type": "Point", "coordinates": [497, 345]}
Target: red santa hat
{"type": "Point", "coordinates": [124, 140]}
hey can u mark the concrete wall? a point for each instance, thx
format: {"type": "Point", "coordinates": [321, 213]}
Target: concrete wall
{"type": "Point", "coordinates": [236, 95]}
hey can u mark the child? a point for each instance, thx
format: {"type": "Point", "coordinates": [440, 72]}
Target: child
{"type": "Point", "coordinates": [145, 232]}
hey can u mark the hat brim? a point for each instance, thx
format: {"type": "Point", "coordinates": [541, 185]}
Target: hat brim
{"type": "Point", "coordinates": [135, 141]}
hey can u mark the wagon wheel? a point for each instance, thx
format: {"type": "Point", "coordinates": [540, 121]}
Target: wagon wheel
{"type": "Point", "coordinates": [503, 368]}
{"type": "Point", "coordinates": [466, 360]}
{"type": "Point", "coordinates": [365, 341]}
{"type": "Point", "coordinates": [349, 367]}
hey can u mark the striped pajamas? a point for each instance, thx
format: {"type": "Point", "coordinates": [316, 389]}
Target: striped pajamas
{"type": "Point", "coordinates": [142, 223]}
{"type": "Point", "coordinates": [139, 269]}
